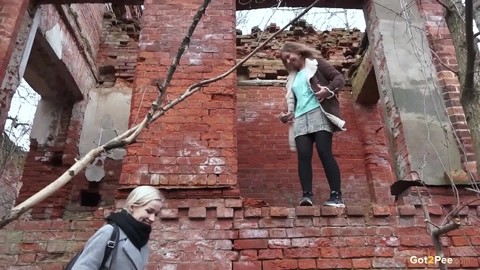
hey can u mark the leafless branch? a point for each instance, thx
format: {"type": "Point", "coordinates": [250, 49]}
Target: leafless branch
{"type": "Point", "coordinates": [474, 190]}
{"type": "Point", "coordinates": [186, 40]}
{"type": "Point", "coordinates": [442, 63]}
{"type": "Point", "coordinates": [435, 231]}
{"type": "Point", "coordinates": [197, 86]}
{"type": "Point", "coordinates": [15, 124]}
{"type": "Point", "coordinates": [454, 213]}
{"type": "Point", "coordinates": [468, 85]}
{"type": "Point", "coordinates": [445, 229]}
{"type": "Point", "coordinates": [443, 4]}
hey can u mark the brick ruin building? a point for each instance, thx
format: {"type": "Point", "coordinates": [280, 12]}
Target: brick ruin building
{"type": "Point", "coordinates": [222, 156]}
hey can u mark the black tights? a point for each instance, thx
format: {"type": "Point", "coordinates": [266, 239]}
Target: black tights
{"type": "Point", "coordinates": [323, 142]}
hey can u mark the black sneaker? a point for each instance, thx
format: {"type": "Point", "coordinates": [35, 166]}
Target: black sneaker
{"type": "Point", "coordinates": [335, 200]}
{"type": "Point", "coordinates": [306, 200]}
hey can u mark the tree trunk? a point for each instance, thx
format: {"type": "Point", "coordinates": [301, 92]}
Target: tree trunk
{"type": "Point", "coordinates": [470, 98]}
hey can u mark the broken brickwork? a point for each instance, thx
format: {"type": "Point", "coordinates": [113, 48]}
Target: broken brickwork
{"type": "Point", "coordinates": [116, 61]}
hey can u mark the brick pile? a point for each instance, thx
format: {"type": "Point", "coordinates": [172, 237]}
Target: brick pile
{"type": "Point", "coordinates": [338, 46]}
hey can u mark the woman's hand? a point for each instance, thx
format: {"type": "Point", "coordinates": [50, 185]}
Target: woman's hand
{"type": "Point", "coordinates": [285, 117]}
{"type": "Point", "coordinates": [323, 93]}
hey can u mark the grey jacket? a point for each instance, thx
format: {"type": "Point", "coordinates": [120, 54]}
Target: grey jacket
{"type": "Point", "coordinates": [127, 256]}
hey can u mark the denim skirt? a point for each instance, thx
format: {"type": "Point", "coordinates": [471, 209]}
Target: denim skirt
{"type": "Point", "coordinates": [310, 122]}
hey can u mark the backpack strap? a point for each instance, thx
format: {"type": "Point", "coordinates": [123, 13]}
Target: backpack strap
{"type": "Point", "coordinates": [111, 244]}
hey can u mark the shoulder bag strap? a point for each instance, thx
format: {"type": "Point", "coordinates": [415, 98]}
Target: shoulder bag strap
{"type": "Point", "coordinates": [111, 245]}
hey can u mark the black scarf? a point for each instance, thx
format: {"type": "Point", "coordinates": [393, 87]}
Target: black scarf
{"type": "Point", "coordinates": [137, 232]}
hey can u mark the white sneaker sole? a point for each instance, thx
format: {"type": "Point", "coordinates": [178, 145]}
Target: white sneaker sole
{"type": "Point", "coordinates": [340, 205]}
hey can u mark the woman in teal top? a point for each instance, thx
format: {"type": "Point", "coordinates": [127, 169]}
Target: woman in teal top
{"type": "Point", "coordinates": [312, 104]}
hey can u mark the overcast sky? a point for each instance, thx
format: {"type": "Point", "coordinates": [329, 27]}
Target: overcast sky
{"type": "Point", "coordinates": [320, 18]}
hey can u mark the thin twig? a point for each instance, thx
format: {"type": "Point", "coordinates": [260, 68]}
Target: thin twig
{"type": "Point", "coordinates": [446, 228]}
{"type": "Point", "coordinates": [443, 4]}
{"type": "Point", "coordinates": [435, 239]}
{"type": "Point", "coordinates": [474, 190]}
{"type": "Point", "coordinates": [442, 63]}
{"type": "Point", "coordinates": [454, 213]}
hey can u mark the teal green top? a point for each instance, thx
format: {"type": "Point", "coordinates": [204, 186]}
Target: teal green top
{"type": "Point", "coordinates": [306, 100]}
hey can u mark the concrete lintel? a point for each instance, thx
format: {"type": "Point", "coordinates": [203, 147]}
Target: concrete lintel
{"type": "Point", "coordinates": [349, 4]}
{"type": "Point", "coordinates": [364, 83]}
{"type": "Point", "coordinates": [118, 2]}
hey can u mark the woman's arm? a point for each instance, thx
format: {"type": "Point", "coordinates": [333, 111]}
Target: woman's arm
{"type": "Point", "coordinates": [334, 77]}
{"type": "Point", "coordinates": [94, 250]}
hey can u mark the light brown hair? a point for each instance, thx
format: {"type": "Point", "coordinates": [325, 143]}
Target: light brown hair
{"type": "Point", "coordinates": [300, 49]}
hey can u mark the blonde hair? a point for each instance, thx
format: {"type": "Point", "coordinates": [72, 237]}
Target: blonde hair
{"type": "Point", "coordinates": [300, 49]}
{"type": "Point", "coordinates": [142, 195]}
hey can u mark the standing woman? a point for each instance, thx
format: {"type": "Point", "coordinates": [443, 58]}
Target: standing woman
{"type": "Point", "coordinates": [312, 105]}
{"type": "Point", "coordinates": [134, 221]}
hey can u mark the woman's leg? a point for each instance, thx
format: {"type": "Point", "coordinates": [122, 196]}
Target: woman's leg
{"type": "Point", "coordinates": [304, 144]}
{"type": "Point", "coordinates": [323, 142]}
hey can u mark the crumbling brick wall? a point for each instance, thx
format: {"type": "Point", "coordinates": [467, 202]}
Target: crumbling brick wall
{"type": "Point", "coordinates": [116, 62]}
{"type": "Point", "coordinates": [45, 162]}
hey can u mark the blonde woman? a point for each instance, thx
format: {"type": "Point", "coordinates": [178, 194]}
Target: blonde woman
{"type": "Point", "coordinates": [313, 110]}
{"type": "Point", "coordinates": [134, 221]}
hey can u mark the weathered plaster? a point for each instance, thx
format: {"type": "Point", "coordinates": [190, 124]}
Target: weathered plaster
{"type": "Point", "coordinates": [414, 90]}
{"type": "Point", "coordinates": [44, 124]}
{"type": "Point", "coordinates": [55, 37]}
{"type": "Point", "coordinates": [106, 116]}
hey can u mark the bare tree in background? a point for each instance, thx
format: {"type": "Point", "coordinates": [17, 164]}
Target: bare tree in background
{"type": "Point", "coordinates": [320, 18]}
{"type": "Point", "coordinates": [14, 145]}
{"type": "Point", "coordinates": [459, 19]}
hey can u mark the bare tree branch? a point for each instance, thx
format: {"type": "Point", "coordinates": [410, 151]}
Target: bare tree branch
{"type": "Point", "coordinates": [186, 40]}
{"type": "Point", "coordinates": [474, 190]}
{"type": "Point", "coordinates": [129, 136]}
{"type": "Point", "coordinates": [442, 63]}
{"type": "Point", "coordinates": [468, 85]}
{"type": "Point", "coordinates": [443, 4]}
{"type": "Point", "coordinates": [435, 231]}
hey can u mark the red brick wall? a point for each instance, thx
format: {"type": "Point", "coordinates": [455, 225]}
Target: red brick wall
{"type": "Point", "coordinates": [443, 54]}
{"type": "Point", "coordinates": [44, 163]}
{"type": "Point", "coordinates": [268, 169]}
{"type": "Point", "coordinates": [224, 235]}
{"type": "Point", "coordinates": [194, 144]}
{"type": "Point", "coordinates": [11, 17]}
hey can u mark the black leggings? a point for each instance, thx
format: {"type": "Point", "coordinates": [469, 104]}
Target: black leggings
{"type": "Point", "coordinates": [323, 142]}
